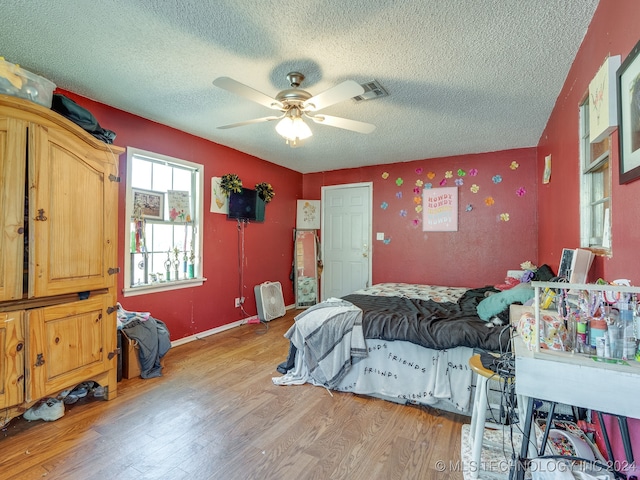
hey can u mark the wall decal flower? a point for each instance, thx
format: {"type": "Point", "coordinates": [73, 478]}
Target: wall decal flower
{"type": "Point", "coordinates": [416, 222]}
{"type": "Point", "coordinates": [428, 185]}
{"type": "Point", "coordinates": [384, 205]}
{"type": "Point", "coordinates": [474, 188]}
{"type": "Point", "coordinates": [489, 201]}
{"type": "Point", "coordinates": [461, 172]}
{"type": "Point", "coordinates": [399, 181]}
{"type": "Point", "coordinates": [443, 182]}
{"type": "Point", "coordinates": [448, 174]}
{"type": "Point", "coordinates": [403, 213]}
{"type": "Point", "coordinates": [459, 182]}
{"type": "Point", "coordinates": [398, 194]}
{"type": "Point", "coordinates": [418, 208]}
{"type": "Point", "coordinates": [514, 165]}
{"type": "Point", "coordinates": [417, 200]}
{"type": "Point", "coordinates": [496, 179]}
{"type": "Point", "coordinates": [419, 183]}
{"type": "Point", "coordinates": [418, 170]}
{"type": "Point", "coordinates": [469, 207]}
{"type": "Point", "coordinates": [521, 192]}
{"type": "Point", "coordinates": [385, 175]}
{"type": "Point", "coordinates": [431, 175]}
{"type": "Point", "coordinates": [473, 172]}
{"type": "Point", "coordinates": [504, 217]}
{"type": "Point", "coordinates": [416, 190]}
{"type": "Point", "coordinates": [387, 241]}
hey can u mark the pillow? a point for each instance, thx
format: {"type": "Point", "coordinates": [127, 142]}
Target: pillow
{"type": "Point", "coordinates": [498, 302]}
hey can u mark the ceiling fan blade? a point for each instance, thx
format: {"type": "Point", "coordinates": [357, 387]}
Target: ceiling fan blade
{"type": "Point", "coordinates": [249, 122]}
{"type": "Point", "coordinates": [243, 90]}
{"type": "Point", "coordinates": [353, 125]}
{"type": "Point", "coordinates": [342, 91]}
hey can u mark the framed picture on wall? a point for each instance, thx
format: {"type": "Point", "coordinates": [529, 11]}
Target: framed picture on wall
{"type": "Point", "coordinates": [308, 214]}
{"type": "Point", "coordinates": [148, 204]}
{"type": "Point", "coordinates": [628, 82]}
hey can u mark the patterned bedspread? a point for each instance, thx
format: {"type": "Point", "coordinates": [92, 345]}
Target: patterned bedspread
{"type": "Point", "coordinates": [419, 292]}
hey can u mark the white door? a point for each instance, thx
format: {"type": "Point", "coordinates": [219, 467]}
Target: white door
{"type": "Point", "coordinates": [346, 238]}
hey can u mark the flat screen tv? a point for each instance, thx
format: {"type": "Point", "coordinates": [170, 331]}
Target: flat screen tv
{"type": "Point", "coordinates": [246, 205]}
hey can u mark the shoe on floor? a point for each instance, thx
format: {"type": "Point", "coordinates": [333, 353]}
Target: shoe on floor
{"type": "Point", "coordinates": [82, 389]}
{"type": "Point", "coordinates": [70, 398]}
{"type": "Point", "coordinates": [49, 410]}
{"type": "Point", "coordinates": [98, 392]}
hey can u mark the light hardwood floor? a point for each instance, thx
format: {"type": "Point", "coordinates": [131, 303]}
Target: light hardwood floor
{"type": "Point", "coordinates": [215, 414]}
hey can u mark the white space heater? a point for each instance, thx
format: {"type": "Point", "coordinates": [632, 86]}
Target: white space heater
{"type": "Point", "coordinates": [269, 300]}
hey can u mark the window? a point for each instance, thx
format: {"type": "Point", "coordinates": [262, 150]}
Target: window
{"type": "Point", "coordinates": [163, 223]}
{"type": "Point", "coordinates": [595, 188]}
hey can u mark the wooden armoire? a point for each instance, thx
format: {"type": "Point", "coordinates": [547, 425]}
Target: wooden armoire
{"type": "Point", "coordinates": [58, 256]}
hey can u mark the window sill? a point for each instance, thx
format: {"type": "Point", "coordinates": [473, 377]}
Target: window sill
{"type": "Point", "coordinates": [599, 251]}
{"type": "Point", "coordinates": [163, 287]}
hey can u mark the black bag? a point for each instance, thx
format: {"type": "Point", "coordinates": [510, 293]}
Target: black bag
{"type": "Point", "coordinates": [81, 116]}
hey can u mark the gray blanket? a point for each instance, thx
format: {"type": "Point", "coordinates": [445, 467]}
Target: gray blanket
{"type": "Point", "coordinates": [329, 334]}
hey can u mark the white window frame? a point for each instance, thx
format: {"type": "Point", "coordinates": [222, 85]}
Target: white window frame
{"type": "Point", "coordinates": [590, 169]}
{"type": "Point", "coordinates": [197, 216]}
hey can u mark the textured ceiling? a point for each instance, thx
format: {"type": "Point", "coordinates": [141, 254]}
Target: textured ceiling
{"type": "Point", "coordinates": [463, 76]}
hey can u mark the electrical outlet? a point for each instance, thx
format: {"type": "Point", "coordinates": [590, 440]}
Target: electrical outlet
{"type": "Point", "coordinates": [238, 302]}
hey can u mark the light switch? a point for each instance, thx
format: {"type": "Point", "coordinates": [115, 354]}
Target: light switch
{"type": "Point", "coordinates": [379, 236]}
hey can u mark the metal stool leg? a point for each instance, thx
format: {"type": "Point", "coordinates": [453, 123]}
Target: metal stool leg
{"type": "Point", "coordinates": [476, 430]}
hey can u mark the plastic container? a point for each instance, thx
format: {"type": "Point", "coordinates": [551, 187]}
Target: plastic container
{"type": "Point", "coordinates": [18, 82]}
{"type": "Point", "coordinates": [597, 329]}
{"type": "Point", "coordinates": [570, 444]}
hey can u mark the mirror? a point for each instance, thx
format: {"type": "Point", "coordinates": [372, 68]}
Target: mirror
{"type": "Point", "coordinates": [306, 268]}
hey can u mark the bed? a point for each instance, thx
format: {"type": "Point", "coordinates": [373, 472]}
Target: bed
{"type": "Point", "coordinates": [401, 342]}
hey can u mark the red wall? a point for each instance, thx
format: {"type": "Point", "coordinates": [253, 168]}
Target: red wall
{"type": "Point", "coordinates": [268, 245]}
{"type": "Point", "coordinates": [483, 248]}
{"type": "Point", "coordinates": [613, 31]}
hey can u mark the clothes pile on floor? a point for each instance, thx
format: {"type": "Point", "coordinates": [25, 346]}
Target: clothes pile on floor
{"type": "Point", "coordinates": [152, 337]}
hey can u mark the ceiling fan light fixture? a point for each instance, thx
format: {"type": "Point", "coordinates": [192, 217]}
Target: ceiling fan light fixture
{"type": "Point", "coordinates": [293, 128]}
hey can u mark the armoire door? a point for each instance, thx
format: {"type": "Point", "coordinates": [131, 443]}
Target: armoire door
{"type": "Point", "coordinates": [69, 343]}
{"type": "Point", "coordinates": [13, 154]}
{"type": "Point", "coordinates": [12, 352]}
{"type": "Point", "coordinates": [72, 225]}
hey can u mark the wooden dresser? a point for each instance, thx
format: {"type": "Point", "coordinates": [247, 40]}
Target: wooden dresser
{"type": "Point", "coordinates": [58, 256]}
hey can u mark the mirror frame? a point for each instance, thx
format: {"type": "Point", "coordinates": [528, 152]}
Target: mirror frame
{"type": "Point", "coordinates": [305, 300]}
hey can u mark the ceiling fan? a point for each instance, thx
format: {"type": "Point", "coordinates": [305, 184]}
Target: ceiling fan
{"type": "Point", "coordinates": [296, 104]}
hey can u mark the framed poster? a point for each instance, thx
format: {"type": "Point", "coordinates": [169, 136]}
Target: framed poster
{"type": "Point", "coordinates": [148, 204]}
{"type": "Point", "coordinates": [628, 80]}
{"type": "Point", "coordinates": [440, 209]}
{"type": "Point", "coordinates": [219, 200]}
{"type": "Point", "coordinates": [603, 115]}
{"type": "Point", "coordinates": [308, 215]}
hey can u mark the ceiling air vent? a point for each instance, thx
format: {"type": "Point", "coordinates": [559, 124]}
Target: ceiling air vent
{"type": "Point", "coordinates": [372, 90]}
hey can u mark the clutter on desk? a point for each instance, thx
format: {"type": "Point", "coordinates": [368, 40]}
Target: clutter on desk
{"type": "Point", "coordinates": [601, 320]}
